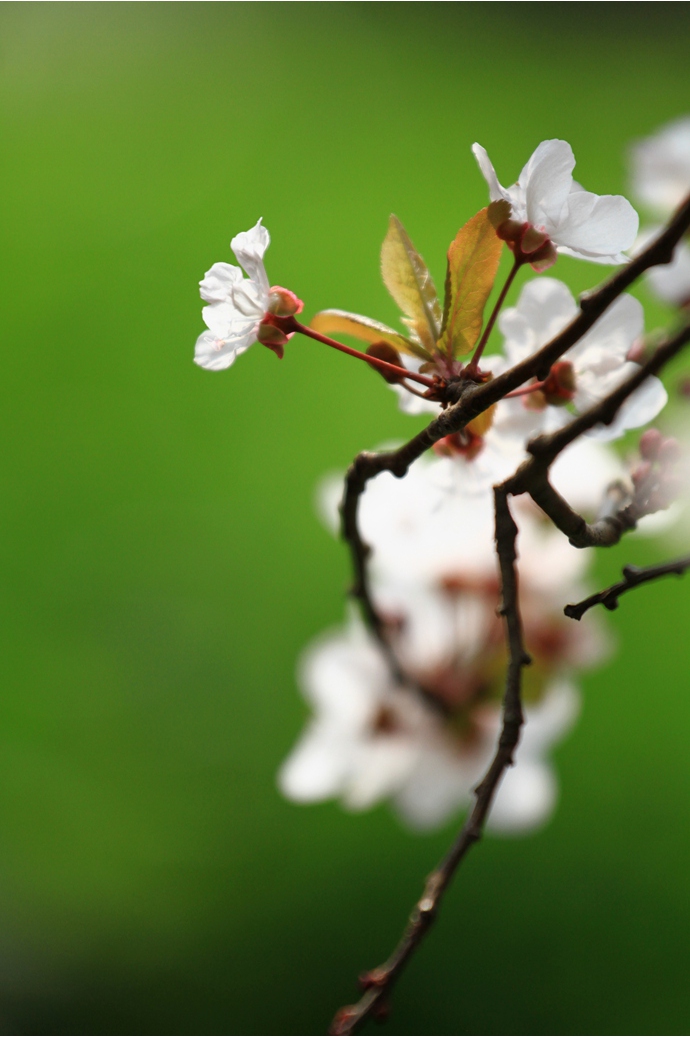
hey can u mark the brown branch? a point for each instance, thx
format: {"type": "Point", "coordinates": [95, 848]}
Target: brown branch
{"type": "Point", "coordinates": [468, 400]}
{"type": "Point", "coordinates": [379, 981]}
{"type": "Point", "coordinates": [633, 576]}
{"type": "Point", "coordinates": [532, 475]}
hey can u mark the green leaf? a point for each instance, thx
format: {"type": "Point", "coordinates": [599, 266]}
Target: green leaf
{"type": "Point", "coordinates": [473, 260]}
{"type": "Point", "coordinates": [407, 278]}
{"type": "Point", "coordinates": [364, 328]}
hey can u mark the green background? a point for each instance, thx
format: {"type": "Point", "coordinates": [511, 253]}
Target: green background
{"type": "Point", "coordinates": [161, 567]}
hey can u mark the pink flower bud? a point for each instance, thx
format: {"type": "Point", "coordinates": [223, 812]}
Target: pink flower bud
{"type": "Point", "coordinates": [669, 451]}
{"type": "Point", "coordinates": [650, 442]}
{"type": "Point", "coordinates": [283, 303]}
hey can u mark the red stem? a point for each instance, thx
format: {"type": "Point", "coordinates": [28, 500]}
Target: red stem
{"type": "Point", "coordinates": [373, 361]}
{"type": "Point", "coordinates": [474, 362]}
{"type": "Point", "coordinates": [525, 390]}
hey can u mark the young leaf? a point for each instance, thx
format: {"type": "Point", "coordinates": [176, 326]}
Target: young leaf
{"type": "Point", "coordinates": [472, 266]}
{"type": "Point", "coordinates": [364, 328]}
{"type": "Point", "coordinates": [406, 277]}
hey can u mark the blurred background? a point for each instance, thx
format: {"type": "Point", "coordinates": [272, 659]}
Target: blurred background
{"type": "Point", "coordinates": [162, 567]}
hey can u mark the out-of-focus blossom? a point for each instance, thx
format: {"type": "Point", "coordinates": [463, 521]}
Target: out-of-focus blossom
{"type": "Point", "coordinates": [661, 167]}
{"type": "Point", "coordinates": [660, 179]}
{"type": "Point", "coordinates": [590, 370]}
{"type": "Point", "coordinates": [435, 581]}
{"type": "Point", "coordinates": [239, 308]}
{"type": "Point", "coordinates": [371, 740]}
{"type": "Point", "coordinates": [552, 207]}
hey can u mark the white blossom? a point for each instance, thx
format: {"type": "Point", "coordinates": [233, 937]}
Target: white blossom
{"type": "Point", "coordinates": [434, 579]}
{"type": "Point", "coordinates": [236, 304]}
{"type": "Point", "coordinates": [599, 359]}
{"type": "Point", "coordinates": [661, 167]}
{"type": "Point", "coordinates": [578, 223]}
{"type": "Point", "coordinates": [370, 740]}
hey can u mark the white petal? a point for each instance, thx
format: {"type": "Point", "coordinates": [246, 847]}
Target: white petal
{"type": "Point", "coordinates": [606, 345]}
{"type": "Point", "coordinates": [217, 354]}
{"type": "Point", "coordinates": [547, 180]}
{"type": "Point", "coordinates": [382, 765]}
{"type": "Point", "coordinates": [525, 799]}
{"type": "Point", "coordinates": [317, 767]}
{"type": "Point", "coordinates": [544, 307]}
{"type": "Point", "coordinates": [249, 248]}
{"type": "Point", "coordinates": [671, 283]}
{"type": "Point", "coordinates": [218, 281]}
{"type": "Point", "coordinates": [496, 192]}
{"type": "Point", "coordinates": [596, 227]}
{"type": "Point", "coordinates": [640, 408]}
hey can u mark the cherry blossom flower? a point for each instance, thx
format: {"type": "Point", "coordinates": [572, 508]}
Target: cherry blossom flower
{"type": "Point", "coordinates": [370, 740]}
{"type": "Point", "coordinates": [591, 369]}
{"type": "Point", "coordinates": [434, 579]}
{"type": "Point", "coordinates": [239, 308]}
{"type": "Point", "coordinates": [661, 180]}
{"type": "Point", "coordinates": [549, 208]}
{"type": "Point", "coordinates": [661, 167]}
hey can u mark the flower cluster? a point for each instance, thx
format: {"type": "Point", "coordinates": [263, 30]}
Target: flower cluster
{"type": "Point", "coordinates": [426, 745]}
{"type": "Point", "coordinates": [422, 732]}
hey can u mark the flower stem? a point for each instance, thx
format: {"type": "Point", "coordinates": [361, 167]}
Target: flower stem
{"type": "Point", "coordinates": [474, 362]}
{"type": "Point", "coordinates": [373, 361]}
{"type": "Point", "coordinates": [524, 390]}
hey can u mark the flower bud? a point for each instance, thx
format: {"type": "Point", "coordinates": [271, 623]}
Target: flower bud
{"type": "Point", "coordinates": [271, 336]}
{"type": "Point", "coordinates": [559, 387]}
{"type": "Point", "coordinates": [283, 303]}
{"type": "Point", "coordinates": [650, 443]}
{"type": "Point", "coordinates": [384, 351]}
{"type": "Point", "coordinates": [669, 451]}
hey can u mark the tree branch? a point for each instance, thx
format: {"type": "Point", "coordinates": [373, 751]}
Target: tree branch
{"type": "Point", "coordinates": [467, 400]}
{"type": "Point", "coordinates": [633, 576]}
{"type": "Point", "coordinates": [379, 982]}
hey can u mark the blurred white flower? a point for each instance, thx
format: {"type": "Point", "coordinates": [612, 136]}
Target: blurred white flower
{"type": "Point", "coordinates": [578, 223]}
{"type": "Point", "coordinates": [370, 740]}
{"type": "Point", "coordinates": [660, 179]}
{"type": "Point", "coordinates": [435, 581]}
{"type": "Point", "coordinates": [594, 366]}
{"type": "Point", "coordinates": [661, 167]}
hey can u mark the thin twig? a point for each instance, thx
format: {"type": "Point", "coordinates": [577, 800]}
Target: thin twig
{"type": "Point", "coordinates": [379, 981]}
{"type": "Point", "coordinates": [633, 576]}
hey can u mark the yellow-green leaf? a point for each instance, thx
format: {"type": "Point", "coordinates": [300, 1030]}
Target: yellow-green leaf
{"type": "Point", "coordinates": [365, 329]}
{"type": "Point", "coordinates": [407, 278]}
{"type": "Point", "coordinates": [472, 266]}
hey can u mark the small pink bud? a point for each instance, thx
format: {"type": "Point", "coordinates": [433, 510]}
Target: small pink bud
{"type": "Point", "coordinates": [669, 451]}
{"type": "Point", "coordinates": [283, 303]}
{"type": "Point", "coordinates": [637, 352]}
{"type": "Point", "coordinates": [641, 472]}
{"type": "Point", "coordinates": [650, 442]}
